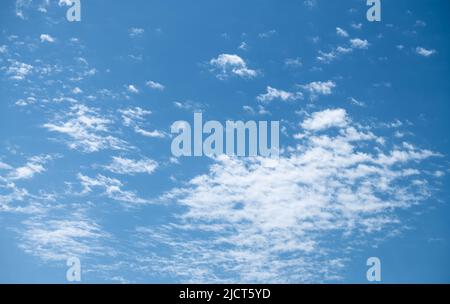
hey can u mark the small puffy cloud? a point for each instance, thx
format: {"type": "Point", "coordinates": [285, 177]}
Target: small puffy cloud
{"type": "Point", "coordinates": [341, 32]}
{"type": "Point", "coordinates": [155, 85]}
{"type": "Point", "coordinates": [77, 90]}
{"type": "Point", "coordinates": [47, 38]}
{"type": "Point", "coordinates": [326, 119]}
{"type": "Point", "coordinates": [18, 70]}
{"type": "Point", "coordinates": [228, 64]}
{"type": "Point", "coordinates": [126, 166]}
{"type": "Point", "coordinates": [132, 89]}
{"type": "Point", "coordinates": [359, 43]}
{"type": "Point", "coordinates": [274, 94]}
{"type": "Point", "coordinates": [320, 88]}
{"type": "Point", "coordinates": [425, 52]}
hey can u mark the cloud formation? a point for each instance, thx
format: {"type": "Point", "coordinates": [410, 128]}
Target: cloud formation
{"type": "Point", "coordinates": [292, 219]}
{"type": "Point", "coordinates": [227, 65]}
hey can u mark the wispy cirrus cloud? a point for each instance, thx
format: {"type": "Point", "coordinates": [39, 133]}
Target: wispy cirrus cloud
{"type": "Point", "coordinates": [86, 129]}
{"type": "Point", "coordinates": [134, 118]}
{"type": "Point", "coordinates": [111, 188]}
{"type": "Point", "coordinates": [52, 238]}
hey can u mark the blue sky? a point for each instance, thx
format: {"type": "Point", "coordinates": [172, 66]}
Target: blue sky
{"type": "Point", "coordinates": [86, 168]}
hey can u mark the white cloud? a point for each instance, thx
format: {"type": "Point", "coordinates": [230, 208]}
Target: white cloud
{"type": "Point", "coordinates": [134, 117]}
{"type": "Point", "coordinates": [4, 166]}
{"type": "Point", "coordinates": [35, 165]}
{"type": "Point", "coordinates": [132, 89]}
{"type": "Point", "coordinates": [343, 50]}
{"type": "Point", "coordinates": [326, 57]}
{"type": "Point", "coordinates": [341, 32]}
{"type": "Point", "coordinates": [274, 94]}
{"type": "Point", "coordinates": [151, 134]}
{"type": "Point", "coordinates": [359, 43]}
{"type": "Point", "coordinates": [77, 90]}
{"type": "Point", "coordinates": [112, 188]}
{"type": "Point", "coordinates": [18, 70]}
{"type": "Point", "coordinates": [277, 220]}
{"type": "Point", "coordinates": [189, 105]}
{"type": "Point", "coordinates": [155, 85]}
{"type": "Point", "coordinates": [88, 131]}
{"type": "Point", "coordinates": [424, 52]}
{"type": "Point", "coordinates": [57, 239]}
{"type": "Point", "coordinates": [21, 6]}
{"type": "Point", "coordinates": [228, 65]}
{"type": "Point", "coordinates": [47, 38]}
{"type": "Point", "coordinates": [121, 165]}
{"type": "Point", "coordinates": [320, 87]}
{"type": "Point", "coordinates": [326, 119]}
{"type": "Point", "coordinates": [25, 102]}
